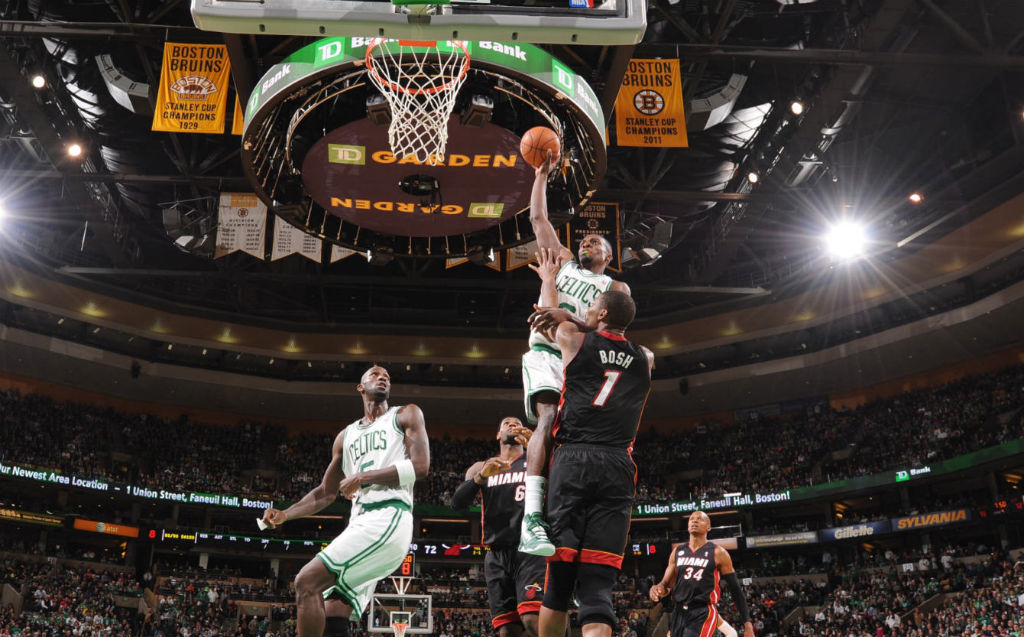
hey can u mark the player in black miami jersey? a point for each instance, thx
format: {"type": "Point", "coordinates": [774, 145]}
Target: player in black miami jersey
{"type": "Point", "coordinates": [592, 474]}
{"type": "Point", "coordinates": [515, 581]}
{"type": "Point", "coordinates": [693, 572]}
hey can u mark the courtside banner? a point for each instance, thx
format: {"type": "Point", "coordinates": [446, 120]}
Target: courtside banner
{"type": "Point", "coordinates": [193, 92]}
{"type": "Point", "coordinates": [649, 107]}
{"type": "Point", "coordinates": [782, 539]}
{"type": "Point", "coordinates": [241, 224]}
{"type": "Point", "coordinates": [855, 531]}
{"type": "Point", "coordinates": [939, 518]}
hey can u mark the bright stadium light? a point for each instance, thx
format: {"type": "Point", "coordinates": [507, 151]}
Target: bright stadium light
{"type": "Point", "coordinates": [846, 240]}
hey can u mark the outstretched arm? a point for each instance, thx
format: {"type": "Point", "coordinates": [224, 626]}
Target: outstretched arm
{"type": "Point", "coordinates": [547, 238]}
{"type": "Point", "coordinates": [723, 563]}
{"type": "Point", "coordinates": [548, 265]}
{"type": "Point", "coordinates": [410, 419]}
{"type": "Point", "coordinates": [320, 497]}
{"type": "Point", "coordinates": [476, 477]}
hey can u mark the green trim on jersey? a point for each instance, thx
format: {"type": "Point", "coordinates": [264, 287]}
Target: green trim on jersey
{"type": "Point", "coordinates": [383, 504]}
{"type": "Point", "coordinates": [394, 422]}
{"type": "Point", "coordinates": [540, 347]}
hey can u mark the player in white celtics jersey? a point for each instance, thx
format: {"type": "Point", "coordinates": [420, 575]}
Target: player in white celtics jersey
{"type": "Point", "coordinates": [374, 463]}
{"type": "Point", "coordinates": [576, 283]}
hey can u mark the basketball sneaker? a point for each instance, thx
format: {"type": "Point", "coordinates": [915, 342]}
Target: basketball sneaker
{"type": "Point", "coordinates": [533, 539]}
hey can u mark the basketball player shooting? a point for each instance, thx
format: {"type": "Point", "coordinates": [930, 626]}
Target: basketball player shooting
{"type": "Point", "coordinates": [515, 581]}
{"type": "Point", "coordinates": [374, 463]}
{"type": "Point", "coordinates": [694, 569]}
{"type": "Point", "coordinates": [578, 282]}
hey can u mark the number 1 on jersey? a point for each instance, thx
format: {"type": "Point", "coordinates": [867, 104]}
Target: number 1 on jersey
{"type": "Point", "coordinates": [610, 378]}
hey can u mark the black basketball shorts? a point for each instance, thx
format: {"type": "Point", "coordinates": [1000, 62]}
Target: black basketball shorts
{"type": "Point", "coordinates": [515, 584]}
{"type": "Point", "coordinates": [590, 501]}
{"type": "Point", "coordinates": [694, 621]}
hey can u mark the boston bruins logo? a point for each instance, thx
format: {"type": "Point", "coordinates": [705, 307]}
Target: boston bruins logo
{"type": "Point", "coordinates": [649, 102]}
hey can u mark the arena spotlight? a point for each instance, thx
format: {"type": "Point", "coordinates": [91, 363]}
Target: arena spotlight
{"type": "Point", "coordinates": [74, 150]}
{"type": "Point", "coordinates": [796, 107]}
{"type": "Point", "coordinates": [915, 197]}
{"type": "Point", "coordinates": [753, 177]}
{"type": "Point", "coordinates": [38, 81]}
{"type": "Point", "coordinates": [845, 241]}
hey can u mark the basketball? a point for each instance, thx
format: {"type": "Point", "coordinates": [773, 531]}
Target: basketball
{"type": "Point", "coordinates": [537, 142]}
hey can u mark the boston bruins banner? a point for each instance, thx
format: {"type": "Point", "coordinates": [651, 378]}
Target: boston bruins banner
{"type": "Point", "coordinates": [602, 219]}
{"type": "Point", "coordinates": [289, 240]}
{"type": "Point", "coordinates": [649, 108]}
{"type": "Point", "coordinates": [193, 92]}
{"type": "Point", "coordinates": [241, 224]}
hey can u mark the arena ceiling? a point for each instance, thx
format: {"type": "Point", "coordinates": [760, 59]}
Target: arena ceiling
{"type": "Point", "coordinates": [899, 96]}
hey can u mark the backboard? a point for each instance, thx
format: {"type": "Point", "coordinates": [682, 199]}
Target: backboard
{"type": "Point", "coordinates": [388, 607]}
{"type": "Point", "coordinates": [615, 22]}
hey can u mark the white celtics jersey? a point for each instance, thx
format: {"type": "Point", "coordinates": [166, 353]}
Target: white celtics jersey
{"type": "Point", "coordinates": [577, 290]}
{"type": "Point", "coordinates": [375, 446]}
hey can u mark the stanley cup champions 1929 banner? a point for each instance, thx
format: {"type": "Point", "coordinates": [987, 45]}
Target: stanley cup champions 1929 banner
{"type": "Point", "coordinates": [193, 92]}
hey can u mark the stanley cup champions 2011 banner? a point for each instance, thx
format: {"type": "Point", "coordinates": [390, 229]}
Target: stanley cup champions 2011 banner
{"type": "Point", "coordinates": [649, 107]}
{"type": "Point", "coordinates": [193, 91]}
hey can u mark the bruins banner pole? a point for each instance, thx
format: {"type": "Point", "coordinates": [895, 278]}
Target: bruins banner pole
{"type": "Point", "coordinates": [649, 108]}
{"type": "Point", "coordinates": [193, 92]}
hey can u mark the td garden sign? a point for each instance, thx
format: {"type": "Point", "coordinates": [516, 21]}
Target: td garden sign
{"type": "Point", "coordinates": [316, 149]}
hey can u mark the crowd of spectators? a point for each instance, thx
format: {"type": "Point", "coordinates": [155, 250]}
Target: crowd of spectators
{"type": "Point", "coordinates": [755, 454]}
{"type": "Point", "coordinates": [60, 600]}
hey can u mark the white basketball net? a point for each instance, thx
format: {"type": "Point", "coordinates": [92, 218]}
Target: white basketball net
{"type": "Point", "coordinates": [399, 628]}
{"type": "Point", "coordinates": [420, 81]}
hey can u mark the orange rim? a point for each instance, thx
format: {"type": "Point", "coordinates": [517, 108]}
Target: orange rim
{"type": "Point", "coordinates": [371, 68]}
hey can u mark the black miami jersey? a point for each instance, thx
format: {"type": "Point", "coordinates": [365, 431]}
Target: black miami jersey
{"type": "Point", "coordinates": [606, 387]}
{"type": "Point", "coordinates": [696, 576]}
{"type": "Point", "coordinates": [502, 511]}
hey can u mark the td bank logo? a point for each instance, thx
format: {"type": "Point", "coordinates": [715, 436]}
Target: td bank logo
{"type": "Point", "coordinates": [485, 210]}
{"type": "Point", "coordinates": [562, 76]}
{"type": "Point", "coordinates": [343, 154]}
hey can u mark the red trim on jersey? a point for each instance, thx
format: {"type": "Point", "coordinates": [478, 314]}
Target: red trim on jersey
{"type": "Point", "coordinates": [711, 623]}
{"type": "Point", "coordinates": [717, 593]}
{"type": "Point", "coordinates": [483, 529]}
{"type": "Point", "coordinates": [526, 608]}
{"type": "Point", "coordinates": [590, 556]}
{"type": "Point", "coordinates": [511, 617]}
{"type": "Point", "coordinates": [612, 337]}
{"type": "Point", "coordinates": [562, 554]}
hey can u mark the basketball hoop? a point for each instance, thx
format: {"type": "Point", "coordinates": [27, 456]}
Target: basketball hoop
{"type": "Point", "coordinates": [399, 628]}
{"type": "Point", "coordinates": [420, 81]}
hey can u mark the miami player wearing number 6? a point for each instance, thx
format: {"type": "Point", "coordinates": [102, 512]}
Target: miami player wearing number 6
{"type": "Point", "coordinates": [593, 477]}
{"type": "Point", "coordinates": [374, 463]}
{"type": "Point", "coordinates": [694, 569]}
{"type": "Point", "coordinates": [515, 581]}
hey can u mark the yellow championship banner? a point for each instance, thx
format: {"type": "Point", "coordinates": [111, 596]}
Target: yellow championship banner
{"type": "Point", "coordinates": [193, 92]}
{"type": "Point", "coordinates": [649, 107]}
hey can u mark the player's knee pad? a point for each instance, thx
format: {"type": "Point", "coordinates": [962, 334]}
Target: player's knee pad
{"type": "Point", "coordinates": [595, 594]}
{"type": "Point", "coordinates": [558, 588]}
{"type": "Point", "coordinates": [336, 627]}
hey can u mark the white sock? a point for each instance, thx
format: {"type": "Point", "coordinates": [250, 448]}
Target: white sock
{"type": "Point", "coordinates": [535, 486]}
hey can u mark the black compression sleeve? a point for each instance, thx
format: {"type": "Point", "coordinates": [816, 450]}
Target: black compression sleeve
{"type": "Point", "coordinates": [737, 597]}
{"type": "Point", "coordinates": [463, 496]}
